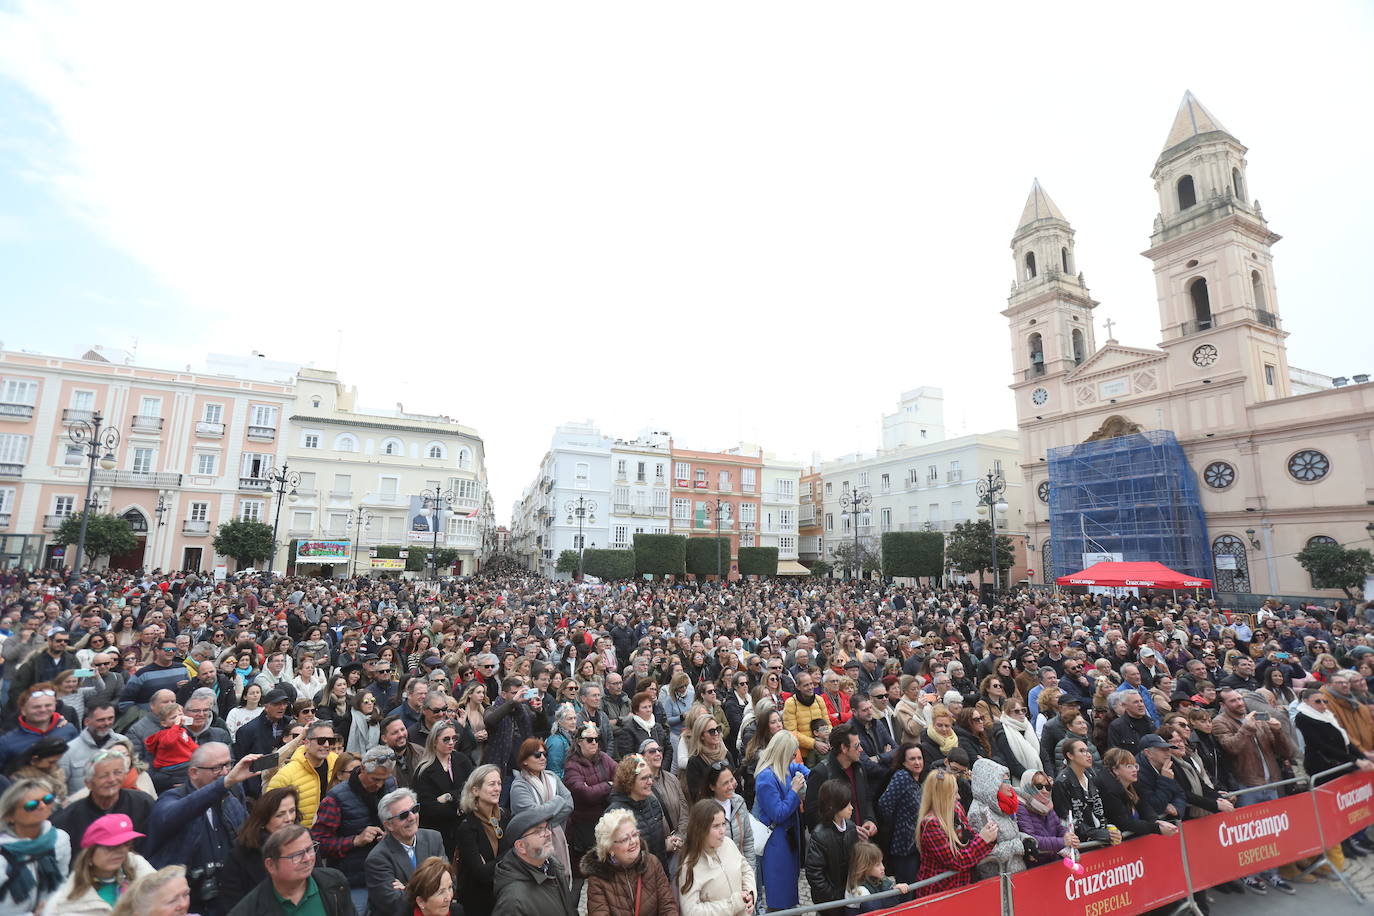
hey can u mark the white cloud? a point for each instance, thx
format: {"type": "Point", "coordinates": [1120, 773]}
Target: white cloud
{"type": "Point", "coordinates": [728, 220]}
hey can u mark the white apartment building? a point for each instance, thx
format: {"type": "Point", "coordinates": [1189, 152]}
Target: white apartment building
{"type": "Point", "coordinates": [781, 485]}
{"type": "Point", "coordinates": [639, 481]}
{"type": "Point", "coordinates": [919, 480]}
{"type": "Point", "coordinates": [363, 473]}
{"type": "Point", "coordinates": [568, 506]}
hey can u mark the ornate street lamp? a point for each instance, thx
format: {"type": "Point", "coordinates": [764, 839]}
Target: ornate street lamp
{"type": "Point", "coordinates": [713, 509]}
{"type": "Point", "coordinates": [98, 444]}
{"type": "Point", "coordinates": [584, 510]}
{"type": "Point", "coordinates": [435, 502]}
{"type": "Point", "coordinates": [852, 503]}
{"type": "Point", "coordinates": [993, 506]}
{"type": "Point", "coordinates": [358, 519]}
{"type": "Point", "coordinates": [284, 484]}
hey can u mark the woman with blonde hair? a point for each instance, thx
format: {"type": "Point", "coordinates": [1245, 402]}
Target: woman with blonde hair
{"type": "Point", "coordinates": [471, 726]}
{"type": "Point", "coordinates": [941, 827]}
{"type": "Point", "coordinates": [478, 835]}
{"type": "Point", "coordinates": [705, 747]}
{"type": "Point", "coordinates": [623, 879]}
{"type": "Point", "coordinates": [715, 880]}
{"type": "Point", "coordinates": [675, 698]}
{"type": "Point", "coordinates": [911, 712]}
{"type": "Point", "coordinates": [103, 871]}
{"type": "Point", "coordinates": [163, 893]}
{"type": "Point", "coordinates": [778, 786]}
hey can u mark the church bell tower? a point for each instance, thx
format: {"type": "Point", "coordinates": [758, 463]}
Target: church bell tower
{"type": "Point", "coordinates": [1214, 271]}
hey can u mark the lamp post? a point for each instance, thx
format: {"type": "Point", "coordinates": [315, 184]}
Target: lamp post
{"type": "Point", "coordinates": [358, 519]}
{"type": "Point", "coordinates": [713, 509]}
{"type": "Point", "coordinates": [852, 502]}
{"type": "Point", "coordinates": [435, 502]}
{"type": "Point", "coordinates": [584, 510]}
{"type": "Point", "coordinates": [278, 481]}
{"type": "Point", "coordinates": [990, 503]}
{"type": "Point", "coordinates": [98, 444]}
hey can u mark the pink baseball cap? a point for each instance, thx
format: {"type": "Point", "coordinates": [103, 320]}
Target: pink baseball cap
{"type": "Point", "coordinates": [110, 830]}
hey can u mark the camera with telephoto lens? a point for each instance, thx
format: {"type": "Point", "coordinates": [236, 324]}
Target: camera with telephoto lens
{"type": "Point", "coordinates": [204, 880]}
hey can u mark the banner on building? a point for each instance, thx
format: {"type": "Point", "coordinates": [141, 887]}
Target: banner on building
{"type": "Point", "coordinates": [1345, 805]}
{"type": "Point", "coordinates": [1231, 845]}
{"type": "Point", "coordinates": [387, 563]}
{"type": "Point", "coordinates": [324, 551]}
{"type": "Point", "coordinates": [424, 518]}
{"type": "Point", "coordinates": [1124, 880]}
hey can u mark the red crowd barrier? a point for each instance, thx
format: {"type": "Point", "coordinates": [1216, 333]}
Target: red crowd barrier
{"type": "Point", "coordinates": [1224, 847]}
{"type": "Point", "coordinates": [983, 897]}
{"type": "Point", "coordinates": [1136, 876]}
{"type": "Point", "coordinates": [1345, 806]}
{"type": "Point", "coordinates": [1148, 871]}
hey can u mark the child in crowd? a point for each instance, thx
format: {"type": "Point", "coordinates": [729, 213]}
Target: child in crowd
{"type": "Point", "coordinates": [170, 749]}
{"type": "Point", "coordinates": [867, 876]}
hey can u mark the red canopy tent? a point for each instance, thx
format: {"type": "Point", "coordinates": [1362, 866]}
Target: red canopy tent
{"type": "Point", "coordinates": [1145, 575]}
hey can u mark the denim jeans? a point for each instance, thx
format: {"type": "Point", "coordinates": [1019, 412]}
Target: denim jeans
{"type": "Point", "coordinates": [359, 895]}
{"type": "Point", "coordinates": [1256, 798]}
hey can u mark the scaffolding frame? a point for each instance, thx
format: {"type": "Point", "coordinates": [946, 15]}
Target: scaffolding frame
{"type": "Point", "coordinates": [1132, 495]}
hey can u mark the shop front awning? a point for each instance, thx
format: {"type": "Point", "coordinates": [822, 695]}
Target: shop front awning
{"type": "Point", "coordinates": [792, 568]}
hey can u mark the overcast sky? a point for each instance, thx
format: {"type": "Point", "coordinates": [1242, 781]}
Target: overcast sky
{"type": "Point", "coordinates": [755, 221]}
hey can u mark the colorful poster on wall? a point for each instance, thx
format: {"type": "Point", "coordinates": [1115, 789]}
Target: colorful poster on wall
{"type": "Point", "coordinates": [387, 563]}
{"type": "Point", "coordinates": [423, 520]}
{"type": "Point", "coordinates": [323, 551]}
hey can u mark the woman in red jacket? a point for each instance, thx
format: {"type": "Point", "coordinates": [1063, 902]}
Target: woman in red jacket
{"type": "Point", "coordinates": [943, 836]}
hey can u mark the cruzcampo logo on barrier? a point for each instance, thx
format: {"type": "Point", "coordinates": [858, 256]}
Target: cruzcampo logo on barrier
{"type": "Point", "coordinates": [1125, 880]}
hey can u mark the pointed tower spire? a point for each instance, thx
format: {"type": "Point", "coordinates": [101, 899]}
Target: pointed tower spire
{"type": "Point", "coordinates": [1192, 119]}
{"type": "Point", "coordinates": [1038, 206]}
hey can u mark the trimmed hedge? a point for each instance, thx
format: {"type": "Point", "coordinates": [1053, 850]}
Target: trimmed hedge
{"type": "Point", "coordinates": [913, 553]}
{"type": "Point", "coordinates": [758, 561]}
{"type": "Point", "coordinates": [701, 556]}
{"type": "Point", "coordinates": [609, 564]}
{"type": "Point", "coordinates": [660, 554]}
{"type": "Point", "coordinates": [567, 562]}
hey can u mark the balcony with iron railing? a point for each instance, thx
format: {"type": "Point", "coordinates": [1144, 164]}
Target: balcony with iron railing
{"type": "Point", "coordinates": [1268, 319]}
{"type": "Point", "coordinates": [76, 415]}
{"type": "Point", "coordinates": [9, 411]}
{"type": "Point", "coordinates": [149, 479]}
{"type": "Point", "coordinates": [953, 476]}
{"type": "Point", "coordinates": [261, 484]}
{"type": "Point", "coordinates": [620, 508]}
{"type": "Point", "coordinates": [195, 527]}
{"type": "Point", "coordinates": [141, 423]}
{"type": "Point", "coordinates": [4, 519]}
{"type": "Point", "coordinates": [53, 522]}
{"type": "Point", "coordinates": [262, 432]}
{"type": "Point", "coordinates": [208, 430]}
{"type": "Point", "coordinates": [11, 469]}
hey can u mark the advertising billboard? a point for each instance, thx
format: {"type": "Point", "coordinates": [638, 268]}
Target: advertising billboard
{"type": "Point", "coordinates": [422, 521]}
{"type": "Point", "coordinates": [323, 551]}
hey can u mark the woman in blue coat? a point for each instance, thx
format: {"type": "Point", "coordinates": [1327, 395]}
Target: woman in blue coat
{"type": "Point", "coordinates": [778, 787]}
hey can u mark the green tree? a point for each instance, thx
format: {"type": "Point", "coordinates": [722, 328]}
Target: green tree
{"type": "Point", "coordinates": [870, 560]}
{"type": "Point", "coordinates": [660, 554]}
{"type": "Point", "coordinates": [567, 562]}
{"type": "Point", "coordinates": [914, 554]}
{"type": "Point", "coordinates": [106, 535]}
{"type": "Point", "coordinates": [968, 549]}
{"type": "Point", "coordinates": [1334, 566]}
{"type": "Point", "coordinates": [609, 564]}
{"type": "Point", "coordinates": [703, 554]}
{"type": "Point", "coordinates": [246, 541]}
{"type": "Point", "coordinates": [820, 568]}
{"type": "Point", "coordinates": [758, 561]}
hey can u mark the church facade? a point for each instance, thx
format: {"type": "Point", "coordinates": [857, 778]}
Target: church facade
{"type": "Point", "coordinates": [1275, 461]}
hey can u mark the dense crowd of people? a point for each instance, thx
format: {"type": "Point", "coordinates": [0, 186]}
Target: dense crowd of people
{"type": "Point", "coordinates": [506, 744]}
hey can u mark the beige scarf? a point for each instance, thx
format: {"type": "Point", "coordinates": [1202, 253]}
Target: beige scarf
{"type": "Point", "coordinates": [944, 744]}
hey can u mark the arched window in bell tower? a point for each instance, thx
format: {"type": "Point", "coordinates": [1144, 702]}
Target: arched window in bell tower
{"type": "Point", "coordinates": [1064, 259]}
{"type": "Point", "coordinates": [1202, 305]}
{"type": "Point", "coordinates": [1037, 352]}
{"type": "Point", "coordinates": [1030, 265]}
{"type": "Point", "coordinates": [1080, 347]}
{"type": "Point", "coordinates": [1187, 195]}
{"type": "Point", "coordinates": [1257, 288]}
{"type": "Point", "coordinates": [1238, 184]}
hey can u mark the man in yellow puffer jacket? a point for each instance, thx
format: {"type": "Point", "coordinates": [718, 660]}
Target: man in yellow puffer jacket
{"type": "Point", "coordinates": [310, 770]}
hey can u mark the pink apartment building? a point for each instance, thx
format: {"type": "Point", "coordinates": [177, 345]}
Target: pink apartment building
{"type": "Point", "coordinates": [707, 484]}
{"type": "Point", "coordinates": [195, 450]}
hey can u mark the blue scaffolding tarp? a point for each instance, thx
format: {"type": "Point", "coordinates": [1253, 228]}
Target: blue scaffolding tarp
{"type": "Point", "coordinates": [1132, 498]}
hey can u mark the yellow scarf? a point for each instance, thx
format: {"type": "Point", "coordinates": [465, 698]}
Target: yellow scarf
{"type": "Point", "coordinates": [944, 744]}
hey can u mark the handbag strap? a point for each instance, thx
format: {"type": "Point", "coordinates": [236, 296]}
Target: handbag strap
{"type": "Point", "coordinates": [639, 883]}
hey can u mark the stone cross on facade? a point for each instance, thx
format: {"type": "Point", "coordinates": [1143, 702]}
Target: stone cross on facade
{"type": "Point", "coordinates": [1109, 324]}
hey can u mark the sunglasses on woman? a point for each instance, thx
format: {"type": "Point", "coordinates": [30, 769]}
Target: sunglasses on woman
{"type": "Point", "coordinates": [33, 803]}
